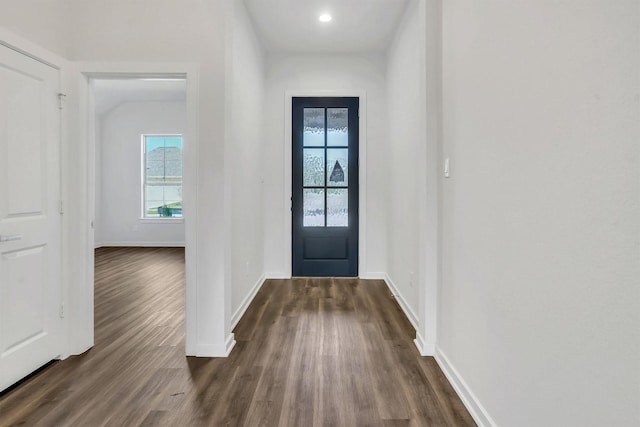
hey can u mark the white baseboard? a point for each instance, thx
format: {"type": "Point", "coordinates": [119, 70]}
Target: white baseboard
{"type": "Point", "coordinates": [246, 302]}
{"type": "Point", "coordinates": [365, 276]}
{"type": "Point", "coordinates": [211, 350]}
{"type": "Point", "coordinates": [420, 345]}
{"type": "Point", "coordinates": [373, 276]}
{"type": "Point", "coordinates": [277, 275]}
{"type": "Point", "coordinates": [470, 401]}
{"type": "Point", "coordinates": [229, 344]}
{"type": "Point", "coordinates": [141, 244]}
{"type": "Point", "coordinates": [402, 302]}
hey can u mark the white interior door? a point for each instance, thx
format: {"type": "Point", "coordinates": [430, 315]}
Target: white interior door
{"type": "Point", "coordinates": [30, 221]}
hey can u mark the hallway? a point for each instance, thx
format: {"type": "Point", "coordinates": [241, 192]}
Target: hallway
{"type": "Point", "coordinates": [309, 352]}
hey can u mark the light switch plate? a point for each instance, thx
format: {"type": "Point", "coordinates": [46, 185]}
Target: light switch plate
{"type": "Point", "coordinates": [447, 168]}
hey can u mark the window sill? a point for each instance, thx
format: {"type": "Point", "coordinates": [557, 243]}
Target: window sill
{"type": "Point", "coordinates": [167, 220]}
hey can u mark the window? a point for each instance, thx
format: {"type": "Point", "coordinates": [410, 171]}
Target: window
{"type": "Point", "coordinates": [162, 176]}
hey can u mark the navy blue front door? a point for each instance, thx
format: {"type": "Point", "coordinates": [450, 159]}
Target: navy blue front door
{"type": "Point", "coordinates": [325, 187]}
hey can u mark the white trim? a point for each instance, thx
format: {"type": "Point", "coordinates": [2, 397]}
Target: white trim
{"type": "Point", "coordinates": [362, 168]}
{"type": "Point", "coordinates": [166, 220]}
{"type": "Point", "coordinates": [406, 308]}
{"type": "Point", "coordinates": [430, 197]}
{"type": "Point", "coordinates": [246, 302]}
{"type": "Point", "coordinates": [29, 55]}
{"type": "Point", "coordinates": [277, 275]}
{"type": "Point", "coordinates": [140, 244]}
{"type": "Point", "coordinates": [373, 276]}
{"type": "Point", "coordinates": [211, 350]}
{"type": "Point", "coordinates": [229, 343]}
{"type": "Point", "coordinates": [470, 401]}
{"type": "Point", "coordinates": [79, 181]}
{"type": "Point", "coordinates": [30, 49]}
{"type": "Point", "coordinates": [421, 345]}
{"type": "Point", "coordinates": [190, 72]}
{"type": "Point", "coordinates": [190, 204]}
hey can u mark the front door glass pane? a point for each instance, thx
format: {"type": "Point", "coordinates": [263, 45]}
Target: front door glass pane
{"type": "Point", "coordinates": [313, 207]}
{"type": "Point", "coordinates": [337, 207]}
{"type": "Point", "coordinates": [313, 167]}
{"type": "Point", "coordinates": [313, 135]}
{"type": "Point", "coordinates": [338, 127]}
{"type": "Point", "coordinates": [337, 167]}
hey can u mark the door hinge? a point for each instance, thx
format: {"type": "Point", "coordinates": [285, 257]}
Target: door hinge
{"type": "Point", "coordinates": [62, 311]}
{"type": "Point", "coordinates": [61, 99]}
{"type": "Point", "coordinates": [60, 207]}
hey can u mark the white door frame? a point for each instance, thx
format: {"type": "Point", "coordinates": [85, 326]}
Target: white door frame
{"type": "Point", "coordinates": [189, 72]}
{"type": "Point", "coordinates": [362, 170]}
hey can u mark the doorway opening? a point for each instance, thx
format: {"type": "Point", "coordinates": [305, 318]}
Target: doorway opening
{"type": "Point", "coordinates": [139, 137]}
{"type": "Point", "coordinates": [139, 124]}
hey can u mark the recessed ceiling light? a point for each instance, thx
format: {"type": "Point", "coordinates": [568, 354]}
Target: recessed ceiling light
{"type": "Point", "coordinates": [325, 17]}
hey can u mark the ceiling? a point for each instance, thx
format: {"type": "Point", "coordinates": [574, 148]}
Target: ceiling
{"type": "Point", "coordinates": [292, 26]}
{"type": "Point", "coordinates": [109, 93]}
{"type": "Point", "coordinates": [288, 26]}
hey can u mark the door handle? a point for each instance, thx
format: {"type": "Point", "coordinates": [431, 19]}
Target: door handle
{"type": "Point", "coordinates": [10, 237]}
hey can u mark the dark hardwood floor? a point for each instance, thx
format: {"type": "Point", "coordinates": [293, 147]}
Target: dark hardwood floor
{"type": "Point", "coordinates": [309, 352]}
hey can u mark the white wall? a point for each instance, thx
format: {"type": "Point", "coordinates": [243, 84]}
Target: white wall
{"type": "Point", "coordinates": [130, 37]}
{"type": "Point", "coordinates": [406, 154]}
{"type": "Point", "coordinates": [40, 21]}
{"type": "Point", "coordinates": [118, 209]}
{"type": "Point", "coordinates": [539, 300]}
{"type": "Point", "coordinates": [138, 37]}
{"type": "Point", "coordinates": [337, 74]}
{"type": "Point", "coordinates": [125, 36]}
{"type": "Point", "coordinates": [244, 152]}
{"type": "Point", "coordinates": [540, 296]}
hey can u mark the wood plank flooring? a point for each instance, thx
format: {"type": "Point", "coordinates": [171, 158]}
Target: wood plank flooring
{"type": "Point", "coordinates": [309, 352]}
